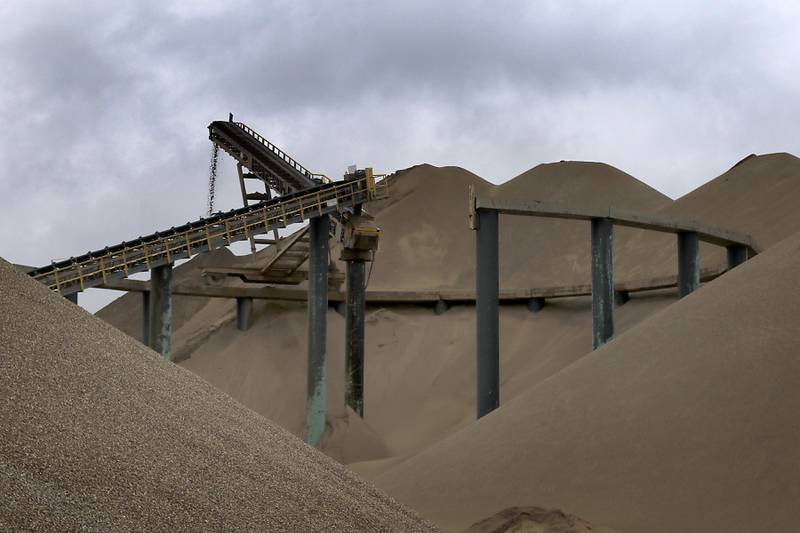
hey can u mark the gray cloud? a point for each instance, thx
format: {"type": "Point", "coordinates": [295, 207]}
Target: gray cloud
{"type": "Point", "coordinates": [104, 104]}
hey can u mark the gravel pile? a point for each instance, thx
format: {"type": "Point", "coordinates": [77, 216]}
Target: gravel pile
{"type": "Point", "coordinates": [97, 433]}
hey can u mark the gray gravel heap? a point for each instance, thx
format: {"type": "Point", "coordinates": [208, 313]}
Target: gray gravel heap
{"type": "Point", "coordinates": [97, 433]}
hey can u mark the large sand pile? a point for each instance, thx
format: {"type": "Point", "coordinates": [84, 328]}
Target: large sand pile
{"type": "Point", "coordinates": [420, 367]}
{"type": "Point", "coordinates": [97, 433]}
{"type": "Point", "coordinates": [688, 422]}
{"type": "Point", "coordinates": [427, 244]}
{"type": "Point", "coordinates": [758, 196]}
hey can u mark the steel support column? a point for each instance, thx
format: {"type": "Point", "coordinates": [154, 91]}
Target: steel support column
{"type": "Point", "coordinates": [317, 311]}
{"type": "Point", "coordinates": [160, 331]}
{"type": "Point", "coordinates": [688, 263]}
{"type": "Point", "coordinates": [354, 336]}
{"type": "Point", "coordinates": [244, 313]}
{"type": "Point", "coordinates": [146, 318]}
{"type": "Point", "coordinates": [602, 281]}
{"type": "Point", "coordinates": [487, 309]}
{"type": "Point", "coordinates": [737, 254]}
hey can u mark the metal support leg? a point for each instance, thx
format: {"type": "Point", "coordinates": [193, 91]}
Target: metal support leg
{"type": "Point", "coordinates": [354, 337]}
{"type": "Point", "coordinates": [487, 310]}
{"type": "Point", "coordinates": [146, 318]}
{"type": "Point", "coordinates": [160, 334]}
{"type": "Point", "coordinates": [621, 298]}
{"type": "Point", "coordinates": [737, 254]}
{"type": "Point", "coordinates": [72, 297]}
{"type": "Point", "coordinates": [602, 281]}
{"type": "Point", "coordinates": [317, 310]}
{"type": "Point", "coordinates": [688, 263]}
{"type": "Point", "coordinates": [244, 313]}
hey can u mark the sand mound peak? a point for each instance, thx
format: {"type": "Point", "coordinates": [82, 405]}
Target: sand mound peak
{"type": "Point", "coordinates": [96, 432]}
{"type": "Point", "coordinates": [583, 183]}
{"type": "Point", "coordinates": [533, 520]}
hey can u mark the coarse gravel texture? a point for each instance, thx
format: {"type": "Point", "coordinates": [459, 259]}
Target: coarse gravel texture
{"type": "Point", "coordinates": [97, 433]}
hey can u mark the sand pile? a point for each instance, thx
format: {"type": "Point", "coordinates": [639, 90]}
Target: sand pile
{"type": "Point", "coordinates": [534, 520]}
{"type": "Point", "coordinates": [427, 244]}
{"type": "Point", "coordinates": [686, 422]}
{"type": "Point", "coordinates": [420, 369]}
{"type": "Point", "coordinates": [97, 433]}
{"type": "Point", "coordinates": [758, 196]}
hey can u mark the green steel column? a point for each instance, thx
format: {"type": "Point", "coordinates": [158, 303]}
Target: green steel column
{"type": "Point", "coordinates": [317, 314]}
{"type": "Point", "coordinates": [354, 336]}
{"type": "Point", "coordinates": [146, 318]}
{"type": "Point", "coordinates": [487, 308]}
{"type": "Point", "coordinates": [160, 333]}
{"type": "Point", "coordinates": [737, 254]}
{"type": "Point", "coordinates": [244, 313]}
{"type": "Point", "coordinates": [688, 263]}
{"type": "Point", "coordinates": [602, 281]}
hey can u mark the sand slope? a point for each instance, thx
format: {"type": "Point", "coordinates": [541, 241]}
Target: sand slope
{"type": "Point", "coordinates": [757, 196]}
{"type": "Point", "coordinates": [688, 422]}
{"type": "Point", "coordinates": [420, 368]}
{"type": "Point", "coordinates": [97, 433]}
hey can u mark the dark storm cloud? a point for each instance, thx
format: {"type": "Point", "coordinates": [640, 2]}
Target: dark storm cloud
{"type": "Point", "coordinates": [104, 104]}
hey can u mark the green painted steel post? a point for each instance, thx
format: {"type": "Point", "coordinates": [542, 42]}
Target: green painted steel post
{"type": "Point", "coordinates": [244, 313]}
{"type": "Point", "coordinates": [737, 254]}
{"type": "Point", "coordinates": [487, 309]}
{"type": "Point", "coordinates": [354, 336]}
{"type": "Point", "coordinates": [688, 263]}
{"type": "Point", "coordinates": [317, 328]}
{"type": "Point", "coordinates": [602, 281]}
{"type": "Point", "coordinates": [160, 334]}
{"type": "Point", "coordinates": [146, 318]}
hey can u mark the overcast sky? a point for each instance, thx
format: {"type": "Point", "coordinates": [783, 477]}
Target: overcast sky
{"type": "Point", "coordinates": [104, 104]}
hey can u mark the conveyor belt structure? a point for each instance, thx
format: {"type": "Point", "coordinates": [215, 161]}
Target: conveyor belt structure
{"type": "Point", "coordinates": [222, 229]}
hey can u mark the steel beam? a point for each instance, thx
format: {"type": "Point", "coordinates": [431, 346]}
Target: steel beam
{"type": "Point", "coordinates": [146, 318]}
{"type": "Point", "coordinates": [737, 254]}
{"type": "Point", "coordinates": [487, 293]}
{"type": "Point", "coordinates": [317, 311]}
{"type": "Point", "coordinates": [354, 336]}
{"type": "Point", "coordinates": [602, 281]}
{"type": "Point", "coordinates": [244, 313]}
{"type": "Point", "coordinates": [688, 263]}
{"type": "Point", "coordinates": [160, 332]}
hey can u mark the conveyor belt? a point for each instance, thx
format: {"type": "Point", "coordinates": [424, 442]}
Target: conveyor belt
{"type": "Point", "coordinates": [222, 229]}
{"type": "Point", "coordinates": [262, 158]}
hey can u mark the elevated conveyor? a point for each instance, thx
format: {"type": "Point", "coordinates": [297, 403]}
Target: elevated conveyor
{"type": "Point", "coordinates": [263, 159]}
{"type": "Point", "coordinates": [161, 248]}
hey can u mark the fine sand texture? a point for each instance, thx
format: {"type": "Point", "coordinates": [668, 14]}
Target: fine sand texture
{"type": "Point", "coordinates": [687, 422]}
{"type": "Point", "coordinates": [97, 433]}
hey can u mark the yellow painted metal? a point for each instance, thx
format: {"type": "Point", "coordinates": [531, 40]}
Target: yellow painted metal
{"type": "Point", "coordinates": [129, 259]}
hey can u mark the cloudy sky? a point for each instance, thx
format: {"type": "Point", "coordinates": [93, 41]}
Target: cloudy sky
{"type": "Point", "coordinates": [104, 104]}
